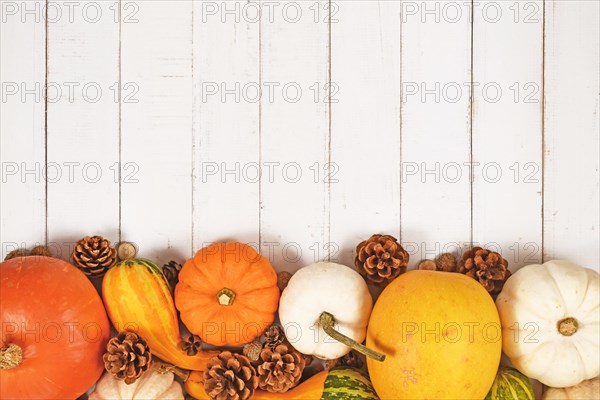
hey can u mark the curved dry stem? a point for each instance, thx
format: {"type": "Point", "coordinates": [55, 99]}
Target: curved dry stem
{"type": "Point", "coordinates": [327, 322]}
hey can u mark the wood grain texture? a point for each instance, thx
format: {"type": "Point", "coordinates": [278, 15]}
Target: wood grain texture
{"type": "Point", "coordinates": [22, 130]}
{"type": "Point", "coordinates": [295, 134]}
{"type": "Point", "coordinates": [571, 157]}
{"type": "Point", "coordinates": [226, 124]}
{"type": "Point", "coordinates": [436, 190]}
{"type": "Point", "coordinates": [156, 130]}
{"type": "Point", "coordinates": [507, 129]}
{"type": "Point", "coordinates": [83, 124]}
{"type": "Point", "coordinates": [365, 124]}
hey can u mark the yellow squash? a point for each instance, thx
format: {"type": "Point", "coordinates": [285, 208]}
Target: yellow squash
{"type": "Point", "coordinates": [137, 297]}
{"type": "Point", "coordinates": [441, 335]}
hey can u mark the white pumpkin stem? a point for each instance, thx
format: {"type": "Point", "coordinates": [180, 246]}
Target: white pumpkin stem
{"type": "Point", "coordinates": [10, 356]}
{"type": "Point", "coordinates": [225, 297]}
{"type": "Point", "coordinates": [163, 368]}
{"type": "Point", "coordinates": [327, 322]}
{"type": "Point", "coordinates": [568, 326]}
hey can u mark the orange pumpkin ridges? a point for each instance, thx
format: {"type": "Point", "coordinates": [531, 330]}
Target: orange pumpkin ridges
{"type": "Point", "coordinates": [53, 317]}
{"type": "Point", "coordinates": [227, 294]}
{"type": "Point", "coordinates": [137, 297]}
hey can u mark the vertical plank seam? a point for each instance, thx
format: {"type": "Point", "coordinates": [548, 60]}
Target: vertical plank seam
{"type": "Point", "coordinates": [400, 158]}
{"type": "Point", "coordinates": [193, 171]}
{"type": "Point", "coordinates": [329, 122]}
{"type": "Point", "coordinates": [120, 139]}
{"type": "Point", "coordinates": [471, 107]}
{"type": "Point", "coordinates": [46, 130]}
{"type": "Point", "coordinates": [260, 155]}
{"type": "Point", "coordinates": [543, 128]}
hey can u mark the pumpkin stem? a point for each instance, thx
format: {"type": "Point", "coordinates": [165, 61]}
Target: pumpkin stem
{"type": "Point", "coordinates": [10, 356]}
{"type": "Point", "coordinates": [165, 368]}
{"type": "Point", "coordinates": [225, 297]}
{"type": "Point", "coordinates": [327, 321]}
{"type": "Point", "coordinates": [568, 326]}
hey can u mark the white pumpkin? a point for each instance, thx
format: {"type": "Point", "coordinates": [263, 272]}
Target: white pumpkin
{"type": "Point", "coordinates": [551, 322]}
{"type": "Point", "coordinates": [152, 384]}
{"type": "Point", "coordinates": [325, 287]}
{"type": "Point", "coordinates": [586, 390]}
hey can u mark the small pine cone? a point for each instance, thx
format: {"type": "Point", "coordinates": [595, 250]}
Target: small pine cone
{"type": "Point", "coordinates": [446, 262]}
{"type": "Point", "coordinates": [94, 255]}
{"type": "Point", "coordinates": [17, 253]}
{"type": "Point", "coordinates": [274, 336]}
{"type": "Point", "coordinates": [252, 350]}
{"type": "Point", "coordinates": [329, 364]}
{"type": "Point", "coordinates": [230, 376]}
{"type": "Point", "coordinates": [41, 251]}
{"type": "Point", "coordinates": [282, 280]}
{"type": "Point", "coordinates": [488, 267]}
{"type": "Point", "coordinates": [192, 345]}
{"type": "Point", "coordinates": [353, 359]}
{"type": "Point", "coordinates": [381, 258]}
{"type": "Point", "coordinates": [127, 356]}
{"type": "Point", "coordinates": [280, 369]}
{"type": "Point", "coordinates": [171, 272]}
{"type": "Point", "coordinates": [427, 265]}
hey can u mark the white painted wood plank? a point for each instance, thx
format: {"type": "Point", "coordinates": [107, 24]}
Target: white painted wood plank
{"type": "Point", "coordinates": [156, 144]}
{"type": "Point", "coordinates": [295, 134]}
{"type": "Point", "coordinates": [226, 123]}
{"type": "Point", "coordinates": [83, 123]}
{"type": "Point", "coordinates": [571, 170]}
{"type": "Point", "coordinates": [365, 126]}
{"type": "Point", "coordinates": [22, 132]}
{"type": "Point", "coordinates": [507, 129]}
{"type": "Point", "coordinates": [436, 206]}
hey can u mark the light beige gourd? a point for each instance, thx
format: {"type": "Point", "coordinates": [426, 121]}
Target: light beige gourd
{"type": "Point", "coordinates": [153, 384]}
{"type": "Point", "coordinates": [551, 322]}
{"type": "Point", "coordinates": [586, 390]}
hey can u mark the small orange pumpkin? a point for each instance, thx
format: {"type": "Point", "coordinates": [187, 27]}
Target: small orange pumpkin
{"type": "Point", "coordinates": [227, 294]}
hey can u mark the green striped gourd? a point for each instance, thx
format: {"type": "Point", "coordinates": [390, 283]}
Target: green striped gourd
{"type": "Point", "coordinates": [510, 384]}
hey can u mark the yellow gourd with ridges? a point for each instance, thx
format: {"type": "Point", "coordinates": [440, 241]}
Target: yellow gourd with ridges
{"type": "Point", "coordinates": [137, 297]}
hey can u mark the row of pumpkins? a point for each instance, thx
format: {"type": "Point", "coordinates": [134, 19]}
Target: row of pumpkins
{"type": "Point", "coordinates": [433, 335]}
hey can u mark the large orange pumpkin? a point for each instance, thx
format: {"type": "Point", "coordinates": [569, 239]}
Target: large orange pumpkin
{"type": "Point", "coordinates": [441, 335]}
{"type": "Point", "coordinates": [54, 319]}
{"type": "Point", "coordinates": [227, 294]}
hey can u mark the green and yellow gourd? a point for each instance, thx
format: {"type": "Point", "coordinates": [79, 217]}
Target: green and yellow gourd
{"type": "Point", "coordinates": [137, 296]}
{"type": "Point", "coordinates": [342, 383]}
{"type": "Point", "coordinates": [510, 384]}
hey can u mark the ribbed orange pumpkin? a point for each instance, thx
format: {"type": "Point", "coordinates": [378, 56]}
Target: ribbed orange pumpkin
{"type": "Point", "coordinates": [227, 294]}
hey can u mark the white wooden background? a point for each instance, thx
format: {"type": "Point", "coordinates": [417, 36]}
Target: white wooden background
{"type": "Point", "coordinates": [373, 117]}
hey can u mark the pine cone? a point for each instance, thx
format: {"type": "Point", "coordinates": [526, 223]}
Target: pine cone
{"type": "Point", "coordinates": [280, 369]}
{"type": "Point", "coordinates": [171, 272]}
{"type": "Point", "coordinates": [381, 258]}
{"type": "Point", "coordinates": [127, 356]}
{"type": "Point", "coordinates": [192, 345]}
{"type": "Point", "coordinates": [274, 336]}
{"type": "Point", "coordinates": [446, 262]}
{"type": "Point", "coordinates": [488, 267]}
{"type": "Point", "coordinates": [252, 350]}
{"type": "Point", "coordinates": [352, 359]}
{"type": "Point", "coordinates": [282, 280]}
{"type": "Point", "coordinates": [94, 255]}
{"type": "Point", "coordinates": [230, 376]}
{"type": "Point", "coordinates": [17, 253]}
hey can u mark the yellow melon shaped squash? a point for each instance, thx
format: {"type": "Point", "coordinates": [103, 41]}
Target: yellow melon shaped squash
{"type": "Point", "coordinates": [441, 335]}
